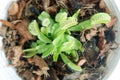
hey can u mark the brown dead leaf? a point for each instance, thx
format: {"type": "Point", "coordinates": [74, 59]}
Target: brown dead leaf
{"type": "Point", "coordinates": [84, 76]}
{"type": "Point", "coordinates": [91, 55]}
{"type": "Point", "coordinates": [28, 3]}
{"type": "Point", "coordinates": [62, 3]}
{"type": "Point", "coordinates": [82, 12]}
{"type": "Point", "coordinates": [16, 21]}
{"type": "Point", "coordinates": [91, 51]}
{"type": "Point", "coordinates": [17, 54]}
{"type": "Point", "coordinates": [38, 78]}
{"type": "Point", "coordinates": [90, 1]}
{"type": "Point", "coordinates": [43, 67]}
{"type": "Point", "coordinates": [21, 27]}
{"type": "Point", "coordinates": [27, 74]}
{"type": "Point", "coordinates": [102, 41]}
{"type": "Point", "coordinates": [21, 7]}
{"type": "Point", "coordinates": [102, 4]}
{"type": "Point", "coordinates": [22, 41]}
{"type": "Point", "coordinates": [7, 23]}
{"type": "Point", "coordinates": [91, 34]}
{"type": "Point", "coordinates": [13, 9]}
{"type": "Point", "coordinates": [3, 30]}
{"type": "Point", "coordinates": [38, 72]}
{"type": "Point", "coordinates": [95, 1]}
{"type": "Point", "coordinates": [30, 60]}
{"type": "Point", "coordinates": [27, 11]}
{"type": "Point", "coordinates": [46, 3]}
{"type": "Point", "coordinates": [88, 37]}
{"type": "Point", "coordinates": [112, 22]}
{"type": "Point", "coordinates": [41, 72]}
{"type": "Point", "coordinates": [106, 36]}
{"type": "Point", "coordinates": [53, 75]}
{"type": "Point", "coordinates": [72, 76]}
{"type": "Point", "coordinates": [104, 50]}
{"type": "Point", "coordinates": [82, 37]}
{"type": "Point", "coordinates": [40, 63]}
{"type": "Point", "coordinates": [10, 54]}
{"type": "Point", "coordinates": [51, 9]}
{"type": "Point", "coordinates": [107, 10]}
{"type": "Point", "coordinates": [81, 62]}
{"type": "Point", "coordinates": [33, 78]}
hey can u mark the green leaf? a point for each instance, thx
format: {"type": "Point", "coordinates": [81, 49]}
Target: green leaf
{"type": "Point", "coordinates": [49, 51]}
{"type": "Point", "coordinates": [30, 54]}
{"type": "Point", "coordinates": [77, 44]}
{"type": "Point", "coordinates": [55, 56]}
{"type": "Point", "coordinates": [61, 17]}
{"type": "Point", "coordinates": [46, 19]}
{"type": "Point", "coordinates": [42, 48]}
{"type": "Point", "coordinates": [70, 64]}
{"type": "Point", "coordinates": [43, 16]}
{"type": "Point", "coordinates": [74, 66]}
{"type": "Point", "coordinates": [65, 58]}
{"type": "Point", "coordinates": [46, 22]}
{"type": "Point", "coordinates": [55, 28]}
{"type": "Point", "coordinates": [63, 10]}
{"type": "Point", "coordinates": [75, 55]}
{"type": "Point", "coordinates": [82, 26]}
{"type": "Point", "coordinates": [34, 44]}
{"type": "Point", "coordinates": [75, 15]}
{"type": "Point", "coordinates": [29, 50]}
{"type": "Point", "coordinates": [95, 19]}
{"type": "Point", "coordinates": [39, 42]}
{"type": "Point", "coordinates": [68, 32]}
{"type": "Point", "coordinates": [58, 40]}
{"type": "Point", "coordinates": [100, 18]}
{"type": "Point", "coordinates": [58, 32]}
{"type": "Point", "coordinates": [69, 23]}
{"type": "Point", "coordinates": [71, 44]}
{"type": "Point", "coordinates": [44, 38]}
{"type": "Point", "coordinates": [44, 30]}
{"type": "Point", "coordinates": [67, 46]}
{"type": "Point", "coordinates": [33, 28]}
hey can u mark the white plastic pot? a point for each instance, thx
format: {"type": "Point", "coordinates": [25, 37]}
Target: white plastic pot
{"type": "Point", "coordinates": [113, 61]}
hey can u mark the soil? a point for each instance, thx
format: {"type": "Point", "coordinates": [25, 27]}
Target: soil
{"type": "Point", "coordinates": [96, 41]}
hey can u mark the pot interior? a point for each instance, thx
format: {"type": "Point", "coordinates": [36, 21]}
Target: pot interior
{"type": "Point", "coordinates": [9, 73]}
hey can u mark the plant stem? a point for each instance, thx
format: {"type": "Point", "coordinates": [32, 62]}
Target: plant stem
{"type": "Point", "coordinates": [28, 50]}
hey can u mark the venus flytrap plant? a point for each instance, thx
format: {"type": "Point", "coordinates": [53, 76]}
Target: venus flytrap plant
{"type": "Point", "coordinates": [54, 37]}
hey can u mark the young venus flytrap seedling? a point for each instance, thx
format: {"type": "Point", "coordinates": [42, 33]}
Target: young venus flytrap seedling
{"type": "Point", "coordinates": [54, 37]}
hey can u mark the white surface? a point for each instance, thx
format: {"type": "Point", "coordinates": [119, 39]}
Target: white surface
{"type": "Point", "coordinates": [8, 73]}
{"type": "Point", "coordinates": [114, 60]}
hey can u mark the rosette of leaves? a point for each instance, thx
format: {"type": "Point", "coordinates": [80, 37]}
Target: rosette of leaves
{"type": "Point", "coordinates": [54, 36]}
